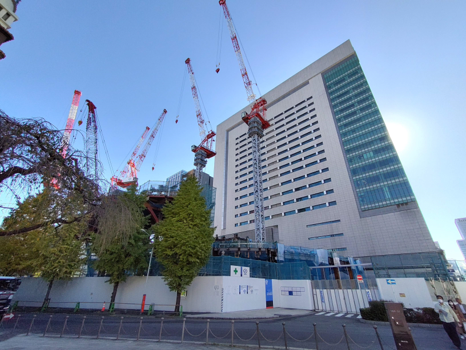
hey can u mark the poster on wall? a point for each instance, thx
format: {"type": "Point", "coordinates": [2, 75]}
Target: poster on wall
{"type": "Point", "coordinates": [235, 271]}
{"type": "Point", "coordinates": [244, 271]}
{"type": "Point", "coordinates": [243, 289]}
{"type": "Point", "coordinates": [268, 294]}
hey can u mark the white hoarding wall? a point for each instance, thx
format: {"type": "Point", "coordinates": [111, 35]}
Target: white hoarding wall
{"type": "Point", "coordinates": [412, 292]}
{"type": "Point", "coordinates": [241, 294]}
{"type": "Point", "coordinates": [292, 294]}
{"type": "Point", "coordinates": [342, 300]}
{"type": "Point", "coordinates": [461, 288]}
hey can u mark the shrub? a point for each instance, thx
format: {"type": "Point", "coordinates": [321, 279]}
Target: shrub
{"type": "Point", "coordinates": [375, 312]}
{"type": "Point", "coordinates": [424, 315]}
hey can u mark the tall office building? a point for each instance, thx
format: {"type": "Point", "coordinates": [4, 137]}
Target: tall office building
{"type": "Point", "coordinates": [331, 176]}
{"type": "Point", "coordinates": [461, 225]}
{"type": "Point", "coordinates": [7, 17]}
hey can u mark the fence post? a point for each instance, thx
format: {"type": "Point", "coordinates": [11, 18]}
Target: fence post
{"type": "Point", "coordinates": [207, 333]}
{"type": "Point", "coordinates": [16, 323]}
{"type": "Point", "coordinates": [77, 307]}
{"type": "Point", "coordinates": [161, 328]}
{"type": "Point", "coordinates": [258, 334]}
{"type": "Point", "coordinates": [32, 322]}
{"type": "Point", "coordinates": [111, 308]}
{"type": "Point", "coordinates": [139, 330]}
{"type": "Point", "coordinates": [14, 306]}
{"type": "Point", "coordinates": [378, 337]}
{"type": "Point", "coordinates": [48, 324]}
{"type": "Point", "coordinates": [182, 331]}
{"type": "Point", "coordinates": [346, 336]}
{"type": "Point", "coordinates": [315, 334]}
{"type": "Point", "coordinates": [232, 331]}
{"type": "Point", "coordinates": [181, 310]}
{"type": "Point", "coordinates": [151, 309]}
{"type": "Point", "coordinates": [100, 327]}
{"type": "Point", "coordinates": [64, 326]}
{"type": "Point", "coordinates": [82, 326]}
{"type": "Point", "coordinates": [119, 328]}
{"type": "Point", "coordinates": [284, 336]}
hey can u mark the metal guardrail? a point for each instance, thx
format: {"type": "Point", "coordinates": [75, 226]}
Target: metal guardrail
{"type": "Point", "coordinates": [162, 334]}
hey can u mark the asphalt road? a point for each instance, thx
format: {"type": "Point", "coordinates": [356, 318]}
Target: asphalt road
{"type": "Point", "coordinates": [330, 331]}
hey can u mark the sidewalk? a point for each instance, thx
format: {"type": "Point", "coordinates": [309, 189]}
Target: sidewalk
{"type": "Point", "coordinates": [253, 314]}
{"type": "Point", "coordinates": [35, 342]}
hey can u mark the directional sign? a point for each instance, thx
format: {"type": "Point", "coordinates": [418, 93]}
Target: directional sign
{"type": "Point", "coordinates": [8, 316]}
{"type": "Point", "coordinates": [390, 281]}
{"type": "Point", "coordinates": [360, 278]}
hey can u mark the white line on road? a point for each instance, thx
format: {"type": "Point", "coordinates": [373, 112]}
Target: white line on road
{"type": "Point", "coordinates": [359, 316]}
{"type": "Point", "coordinates": [339, 315]}
{"type": "Point", "coordinates": [330, 314]}
{"type": "Point", "coordinates": [349, 315]}
{"type": "Point", "coordinates": [320, 313]}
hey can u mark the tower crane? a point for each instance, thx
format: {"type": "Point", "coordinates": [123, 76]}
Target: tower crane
{"type": "Point", "coordinates": [257, 123]}
{"type": "Point", "coordinates": [70, 122]}
{"type": "Point", "coordinates": [91, 143]}
{"type": "Point", "coordinates": [205, 149]}
{"type": "Point", "coordinates": [128, 176]}
{"type": "Point", "coordinates": [65, 142]}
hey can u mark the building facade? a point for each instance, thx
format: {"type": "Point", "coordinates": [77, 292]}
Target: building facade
{"type": "Point", "coordinates": [461, 225]}
{"type": "Point", "coordinates": [7, 17]}
{"type": "Point", "coordinates": [331, 176]}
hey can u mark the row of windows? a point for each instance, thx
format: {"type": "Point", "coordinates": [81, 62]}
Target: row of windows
{"type": "Point", "coordinates": [291, 212]}
{"type": "Point", "coordinates": [323, 223]}
{"type": "Point", "coordinates": [326, 236]}
{"type": "Point", "coordinates": [300, 188]}
{"type": "Point", "coordinates": [301, 199]}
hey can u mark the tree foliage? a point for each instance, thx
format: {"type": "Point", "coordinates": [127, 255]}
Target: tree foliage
{"type": "Point", "coordinates": [184, 238]}
{"type": "Point", "coordinates": [124, 252]}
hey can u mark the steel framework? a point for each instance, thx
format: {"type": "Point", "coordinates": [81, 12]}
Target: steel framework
{"type": "Point", "coordinates": [70, 122]}
{"type": "Point", "coordinates": [91, 143]}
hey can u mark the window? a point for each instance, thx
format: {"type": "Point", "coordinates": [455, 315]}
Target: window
{"type": "Point", "coordinates": [288, 202]}
{"type": "Point", "coordinates": [327, 180]}
{"type": "Point", "coordinates": [331, 204]}
{"type": "Point", "coordinates": [315, 195]}
{"type": "Point", "coordinates": [302, 210]}
{"type": "Point", "coordinates": [314, 173]}
{"type": "Point", "coordinates": [6, 16]}
{"type": "Point", "coordinates": [295, 139]}
{"type": "Point", "coordinates": [244, 196]}
{"type": "Point", "coordinates": [284, 166]}
{"type": "Point", "coordinates": [273, 177]}
{"type": "Point", "coordinates": [281, 152]}
{"type": "Point", "coordinates": [243, 223]}
{"type": "Point", "coordinates": [288, 213]}
{"type": "Point", "coordinates": [243, 214]}
{"type": "Point", "coordinates": [275, 195]}
{"type": "Point", "coordinates": [285, 173]}
{"type": "Point", "coordinates": [281, 139]}
{"type": "Point", "coordinates": [308, 149]}
{"type": "Point", "coordinates": [296, 161]}
{"type": "Point", "coordinates": [299, 178]}
{"type": "Point", "coordinates": [324, 170]}
{"type": "Point", "coordinates": [274, 186]}
{"type": "Point", "coordinates": [319, 206]}
{"type": "Point", "coordinates": [276, 205]}
{"type": "Point", "coordinates": [276, 216]}
{"type": "Point", "coordinates": [311, 164]}
{"type": "Point", "coordinates": [315, 184]}
{"type": "Point", "coordinates": [242, 182]}
{"type": "Point", "coordinates": [300, 188]}
{"type": "Point", "coordinates": [322, 160]}
{"type": "Point", "coordinates": [243, 188]}
{"type": "Point", "coordinates": [243, 175]}
{"type": "Point", "coordinates": [243, 205]}
{"type": "Point", "coordinates": [326, 236]}
{"type": "Point", "coordinates": [293, 133]}
{"type": "Point", "coordinates": [306, 142]}
{"type": "Point", "coordinates": [306, 127]}
{"type": "Point", "coordinates": [295, 154]}
{"type": "Point", "coordinates": [329, 191]}
{"type": "Point", "coordinates": [282, 145]}
{"type": "Point", "coordinates": [252, 202]}
{"type": "Point", "coordinates": [282, 159]}
{"type": "Point", "coordinates": [286, 182]}
{"type": "Point", "coordinates": [281, 132]}
{"type": "Point", "coordinates": [302, 199]}
{"type": "Point", "coordinates": [298, 168]}
{"type": "Point", "coordinates": [323, 223]}
{"type": "Point", "coordinates": [287, 192]}
{"type": "Point", "coordinates": [289, 109]}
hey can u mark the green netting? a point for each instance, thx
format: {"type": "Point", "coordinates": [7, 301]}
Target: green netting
{"type": "Point", "coordinates": [220, 266]}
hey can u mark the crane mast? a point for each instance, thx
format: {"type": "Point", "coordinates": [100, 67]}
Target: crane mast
{"type": "Point", "coordinates": [91, 143]}
{"type": "Point", "coordinates": [257, 123]}
{"type": "Point", "coordinates": [205, 149]}
{"type": "Point", "coordinates": [70, 122]}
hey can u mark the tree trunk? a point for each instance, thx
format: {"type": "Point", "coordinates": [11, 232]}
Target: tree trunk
{"type": "Point", "coordinates": [47, 295]}
{"type": "Point", "coordinates": [115, 289]}
{"type": "Point", "coordinates": [178, 300]}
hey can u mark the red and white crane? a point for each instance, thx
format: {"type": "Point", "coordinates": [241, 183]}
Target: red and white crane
{"type": "Point", "coordinates": [129, 175]}
{"type": "Point", "coordinates": [205, 150]}
{"type": "Point", "coordinates": [257, 123]}
{"type": "Point", "coordinates": [70, 122]}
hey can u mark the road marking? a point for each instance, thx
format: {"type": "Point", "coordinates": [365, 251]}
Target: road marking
{"type": "Point", "coordinates": [339, 315]}
{"type": "Point", "coordinates": [330, 314]}
{"type": "Point", "coordinates": [359, 316]}
{"type": "Point", "coordinates": [349, 315]}
{"type": "Point", "coordinates": [320, 313]}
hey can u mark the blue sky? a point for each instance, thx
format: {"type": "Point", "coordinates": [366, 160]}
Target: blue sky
{"type": "Point", "coordinates": [128, 58]}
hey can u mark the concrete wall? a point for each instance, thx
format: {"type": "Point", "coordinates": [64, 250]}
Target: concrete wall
{"type": "Point", "coordinates": [412, 292]}
{"type": "Point", "coordinates": [205, 294]}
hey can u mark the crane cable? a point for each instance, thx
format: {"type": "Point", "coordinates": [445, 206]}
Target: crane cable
{"type": "Point", "coordinates": [219, 39]}
{"type": "Point", "coordinates": [181, 95]}
{"type": "Point", "coordinates": [104, 143]}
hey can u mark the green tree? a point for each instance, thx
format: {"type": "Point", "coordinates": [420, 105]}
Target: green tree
{"type": "Point", "coordinates": [183, 238]}
{"type": "Point", "coordinates": [53, 251]}
{"type": "Point", "coordinates": [125, 253]}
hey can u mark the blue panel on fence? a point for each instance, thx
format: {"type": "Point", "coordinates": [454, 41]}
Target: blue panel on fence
{"type": "Point", "coordinates": [322, 296]}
